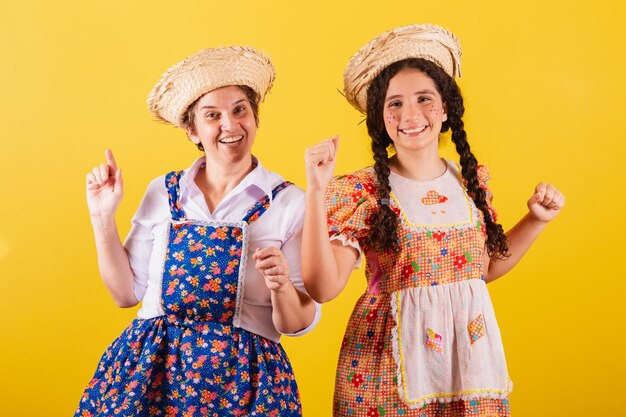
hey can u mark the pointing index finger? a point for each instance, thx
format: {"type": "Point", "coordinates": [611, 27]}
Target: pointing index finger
{"type": "Point", "coordinates": [108, 154]}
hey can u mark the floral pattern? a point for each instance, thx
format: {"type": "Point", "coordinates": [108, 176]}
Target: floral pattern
{"type": "Point", "coordinates": [194, 360]}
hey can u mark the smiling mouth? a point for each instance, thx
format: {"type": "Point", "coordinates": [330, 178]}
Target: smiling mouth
{"type": "Point", "coordinates": [417, 130]}
{"type": "Point", "coordinates": [231, 139]}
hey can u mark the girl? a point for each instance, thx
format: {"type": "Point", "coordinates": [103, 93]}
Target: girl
{"type": "Point", "coordinates": [423, 339]}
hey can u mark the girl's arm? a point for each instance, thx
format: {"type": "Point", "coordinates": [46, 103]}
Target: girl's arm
{"type": "Point", "coordinates": [104, 194]}
{"type": "Point", "coordinates": [545, 204]}
{"type": "Point", "coordinates": [326, 266]}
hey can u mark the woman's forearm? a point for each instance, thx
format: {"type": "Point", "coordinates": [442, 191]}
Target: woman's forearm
{"type": "Point", "coordinates": [292, 310]}
{"type": "Point", "coordinates": [113, 262]}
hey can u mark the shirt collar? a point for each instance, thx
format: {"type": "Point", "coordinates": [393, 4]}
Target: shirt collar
{"type": "Point", "coordinates": [259, 178]}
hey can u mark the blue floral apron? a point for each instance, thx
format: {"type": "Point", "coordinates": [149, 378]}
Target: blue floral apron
{"type": "Point", "coordinates": [195, 360]}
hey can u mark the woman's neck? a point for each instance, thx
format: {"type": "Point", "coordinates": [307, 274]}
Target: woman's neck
{"type": "Point", "coordinates": [216, 180]}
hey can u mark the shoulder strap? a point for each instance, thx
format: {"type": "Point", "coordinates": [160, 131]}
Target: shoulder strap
{"type": "Point", "coordinates": [173, 190]}
{"type": "Point", "coordinates": [263, 204]}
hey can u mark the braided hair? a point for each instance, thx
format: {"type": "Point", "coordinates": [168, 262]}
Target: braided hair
{"type": "Point", "coordinates": [384, 234]}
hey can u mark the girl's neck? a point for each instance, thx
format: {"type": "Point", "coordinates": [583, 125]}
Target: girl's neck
{"type": "Point", "coordinates": [419, 166]}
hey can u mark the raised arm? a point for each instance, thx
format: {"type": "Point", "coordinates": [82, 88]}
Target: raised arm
{"type": "Point", "coordinates": [326, 266]}
{"type": "Point", "coordinates": [104, 194]}
{"type": "Point", "coordinates": [544, 205]}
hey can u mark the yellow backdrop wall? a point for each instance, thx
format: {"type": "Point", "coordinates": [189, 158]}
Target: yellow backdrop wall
{"type": "Point", "coordinates": [545, 92]}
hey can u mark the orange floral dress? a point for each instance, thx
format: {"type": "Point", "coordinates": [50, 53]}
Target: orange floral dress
{"type": "Point", "coordinates": [423, 339]}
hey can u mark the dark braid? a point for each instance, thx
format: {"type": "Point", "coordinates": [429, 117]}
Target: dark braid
{"type": "Point", "coordinates": [384, 224]}
{"type": "Point", "coordinates": [384, 233]}
{"type": "Point", "coordinates": [496, 240]}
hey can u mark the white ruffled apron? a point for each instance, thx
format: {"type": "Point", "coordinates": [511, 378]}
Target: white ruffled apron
{"type": "Point", "coordinates": [446, 341]}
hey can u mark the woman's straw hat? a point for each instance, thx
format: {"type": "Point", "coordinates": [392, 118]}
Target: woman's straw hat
{"type": "Point", "coordinates": [414, 41]}
{"type": "Point", "coordinates": [205, 71]}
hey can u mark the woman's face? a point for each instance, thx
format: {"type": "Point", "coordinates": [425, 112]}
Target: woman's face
{"type": "Point", "coordinates": [225, 125]}
{"type": "Point", "coordinates": [413, 112]}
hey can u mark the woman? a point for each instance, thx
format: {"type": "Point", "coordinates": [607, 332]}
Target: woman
{"type": "Point", "coordinates": [423, 339]}
{"type": "Point", "coordinates": [213, 254]}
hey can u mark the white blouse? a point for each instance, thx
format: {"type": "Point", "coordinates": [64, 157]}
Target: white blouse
{"type": "Point", "coordinates": [280, 226]}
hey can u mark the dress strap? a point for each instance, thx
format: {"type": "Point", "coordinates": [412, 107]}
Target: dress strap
{"type": "Point", "coordinates": [172, 182]}
{"type": "Point", "coordinates": [263, 204]}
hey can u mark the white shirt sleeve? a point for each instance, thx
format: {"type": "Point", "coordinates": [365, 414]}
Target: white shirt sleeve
{"type": "Point", "coordinates": [140, 241]}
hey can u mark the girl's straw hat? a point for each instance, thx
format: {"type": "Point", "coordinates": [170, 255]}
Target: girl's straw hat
{"type": "Point", "coordinates": [414, 41]}
{"type": "Point", "coordinates": [205, 71]}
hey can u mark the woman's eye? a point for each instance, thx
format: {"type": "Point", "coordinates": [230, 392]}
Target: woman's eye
{"type": "Point", "coordinates": [211, 115]}
{"type": "Point", "coordinates": [240, 109]}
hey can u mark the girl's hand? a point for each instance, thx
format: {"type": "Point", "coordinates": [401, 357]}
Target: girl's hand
{"type": "Point", "coordinates": [320, 162]}
{"type": "Point", "coordinates": [271, 263]}
{"type": "Point", "coordinates": [546, 203]}
{"type": "Point", "coordinates": [104, 188]}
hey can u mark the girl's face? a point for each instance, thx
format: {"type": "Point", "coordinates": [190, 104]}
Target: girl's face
{"type": "Point", "coordinates": [413, 112]}
{"type": "Point", "coordinates": [225, 125]}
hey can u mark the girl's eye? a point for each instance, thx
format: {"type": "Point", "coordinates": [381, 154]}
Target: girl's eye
{"type": "Point", "coordinates": [423, 99]}
{"type": "Point", "coordinates": [394, 104]}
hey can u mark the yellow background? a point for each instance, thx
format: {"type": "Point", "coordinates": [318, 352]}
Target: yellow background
{"type": "Point", "coordinates": [544, 88]}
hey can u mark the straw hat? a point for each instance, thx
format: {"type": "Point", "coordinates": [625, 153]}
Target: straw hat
{"type": "Point", "coordinates": [205, 71]}
{"type": "Point", "coordinates": [414, 41]}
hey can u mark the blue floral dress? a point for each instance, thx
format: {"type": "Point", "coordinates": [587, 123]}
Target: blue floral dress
{"type": "Point", "coordinates": [195, 360]}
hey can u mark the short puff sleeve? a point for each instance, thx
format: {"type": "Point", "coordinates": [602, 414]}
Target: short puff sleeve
{"type": "Point", "coordinates": [350, 204]}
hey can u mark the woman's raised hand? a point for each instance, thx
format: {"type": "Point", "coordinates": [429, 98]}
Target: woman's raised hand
{"type": "Point", "coordinates": [104, 188]}
{"type": "Point", "coordinates": [320, 162]}
{"type": "Point", "coordinates": [546, 203]}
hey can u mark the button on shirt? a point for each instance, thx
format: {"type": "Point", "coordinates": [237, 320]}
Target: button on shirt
{"type": "Point", "coordinates": [280, 226]}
